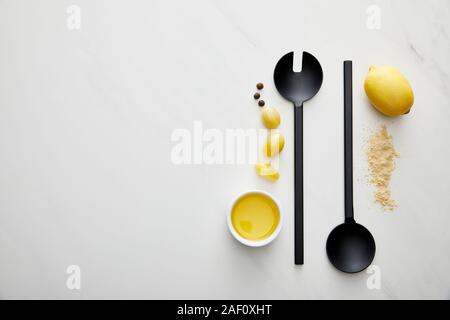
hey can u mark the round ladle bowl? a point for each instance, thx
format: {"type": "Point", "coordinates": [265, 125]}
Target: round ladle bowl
{"type": "Point", "coordinates": [350, 247]}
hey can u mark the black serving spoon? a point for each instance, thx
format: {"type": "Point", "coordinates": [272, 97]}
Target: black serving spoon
{"type": "Point", "coordinates": [298, 87]}
{"type": "Point", "coordinates": [350, 246]}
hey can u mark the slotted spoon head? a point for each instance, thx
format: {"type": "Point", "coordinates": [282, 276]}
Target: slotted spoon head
{"type": "Point", "coordinates": [298, 87]}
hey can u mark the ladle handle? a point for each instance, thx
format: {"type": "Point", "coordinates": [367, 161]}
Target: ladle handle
{"type": "Point", "coordinates": [298, 191]}
{"type": "Point", "coordinates": [348, 139]}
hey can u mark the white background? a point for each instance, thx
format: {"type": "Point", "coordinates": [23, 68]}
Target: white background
{"type": "Point", "coordinates": [86, 118]}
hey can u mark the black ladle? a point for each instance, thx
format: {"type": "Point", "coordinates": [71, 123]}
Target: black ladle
{"type": "Point", "coordinates": [350, 246]}
{"type": "Point", "coordinates": [298, 87]}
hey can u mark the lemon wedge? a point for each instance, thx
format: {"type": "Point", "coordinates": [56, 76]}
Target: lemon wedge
{"type": "Point", "coordinates": [266, 171]}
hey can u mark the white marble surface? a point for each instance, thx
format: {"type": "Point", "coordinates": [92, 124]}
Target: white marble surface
{"type": "Point", "coordinates": [85, 123]}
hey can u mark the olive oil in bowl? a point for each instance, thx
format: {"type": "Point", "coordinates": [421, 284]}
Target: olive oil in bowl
{"type": "Point", "coordinates": [255, 219]}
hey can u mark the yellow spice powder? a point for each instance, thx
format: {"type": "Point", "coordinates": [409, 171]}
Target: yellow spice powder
{"type": "Point", "coordinates": [381, 157]}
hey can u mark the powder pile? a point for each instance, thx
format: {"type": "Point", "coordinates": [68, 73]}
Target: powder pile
{"type": "Point", "coordinates": [381, 157]}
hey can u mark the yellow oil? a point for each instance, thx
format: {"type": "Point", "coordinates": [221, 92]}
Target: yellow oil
{"type": "Point", "coordinates": [255, 216]}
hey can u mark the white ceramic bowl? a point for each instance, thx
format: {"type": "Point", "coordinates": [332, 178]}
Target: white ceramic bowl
{"type": "Point", "coordinates": [255, 243]}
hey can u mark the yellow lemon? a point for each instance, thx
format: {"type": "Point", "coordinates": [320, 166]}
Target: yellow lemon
{"type": "Point", "coordinates": [389, 91]}
{"type": "Point", "coordinates": [266, 171]}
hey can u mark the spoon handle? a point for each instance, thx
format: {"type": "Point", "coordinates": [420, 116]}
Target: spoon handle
{"type": "Point", "coordinates": [298, 191]}
{"type": "Point", "coordinates": [348, 139]}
